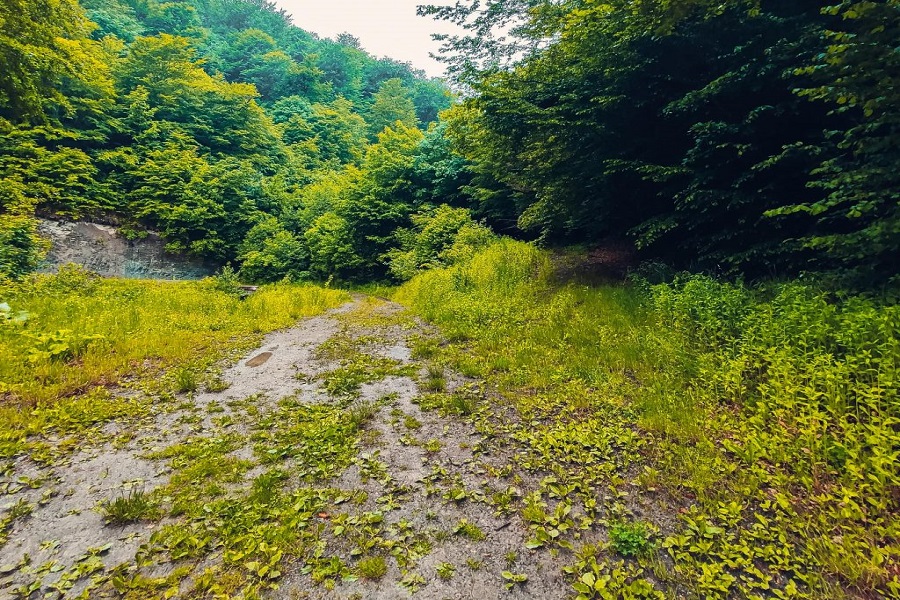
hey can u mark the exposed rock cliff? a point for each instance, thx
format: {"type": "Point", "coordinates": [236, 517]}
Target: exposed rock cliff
{"type": "Point", "coordinates": [100, 248]}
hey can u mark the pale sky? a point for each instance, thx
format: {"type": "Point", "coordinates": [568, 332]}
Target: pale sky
{"type": "Point", "coordinates": [383, 27]}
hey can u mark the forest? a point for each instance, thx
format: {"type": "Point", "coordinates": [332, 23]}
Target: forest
{"type": "Point", "coordinates": [610, 311]}
{"type": "Point", "coordinates": [747, 138]}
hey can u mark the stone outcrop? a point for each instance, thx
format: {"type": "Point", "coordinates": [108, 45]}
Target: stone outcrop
{"type": "Point", "coordinates": [103, 250]}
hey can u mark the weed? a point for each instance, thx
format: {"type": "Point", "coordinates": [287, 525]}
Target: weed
{"type": "Point", "coordinates": [372, 567]}
{"type": "Point", "coordinates": [410, 422]}
{"type": "Point", "coordinates": [362, 413]}
{"type": "Point", "coordinates": [440, 535]}
{"type": "Point", "coordinates": [469, 530]}
{"type": "Point", "coordinates": [435, 380]}
{"type": "Point", "coordinates": [772, 406]}
{"type": "Point", "coordinates": [511, 557]}
{"type": "Point", "coordinates": [432, 446]}
{"type": "Point", "coordinates": [424, 348]}
{"type": "Point", "coordinates": [185, 380]}
{"type": "Point", "coordinates": [215, 385]}
{"type": "Point", "coordinates": [412, 582]}
{"type": "Point", "coordinates": [631, 538]}
{"type": "Point", "coordinates": [359, 368]}
{"type": "Point", "coordinates": [129, 328]}
{"type": "Point", "coordinates": [445, 570]}
{"type": "Point", "coordinates": [136, 506]}
{"type": "Point", "coordinates": [435, 384]}
{"type": "Point", "coordinates": [512, 579]}
{"type": "Point", "coordinates": [18, 510]}
{"type": "Point", "coordinates": [474, 564]}
{"type": "Point", "coordinates": [461, 403]}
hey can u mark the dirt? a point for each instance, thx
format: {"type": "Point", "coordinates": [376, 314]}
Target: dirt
{"type": "Point", "coordinates": [66, 529]}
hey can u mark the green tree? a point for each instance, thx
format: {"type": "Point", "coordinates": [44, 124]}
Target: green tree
{"type": "Point", "coordinates": [271, 253]}
{"type": "Point", "coordinates": [391, 104]}
{"type": "Point", "coordinates": [859, 76]}
{"type": "Point", "coordinates": [331, 252]}
{"type": "Point", "coordinates": [43, 42]}
{"type": "Point", "coordinates": [382, 200]}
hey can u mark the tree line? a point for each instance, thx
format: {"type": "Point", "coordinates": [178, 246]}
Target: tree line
{"type": "Point", "coordinates": [749, 137]}
{"type": "Point", "coordinates": [218, 123]}
{"type": "Point", "coordinates": [746, 137]}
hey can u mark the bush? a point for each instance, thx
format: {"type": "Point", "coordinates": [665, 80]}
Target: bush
{"type": "Point", "coordinates": [442, 237]}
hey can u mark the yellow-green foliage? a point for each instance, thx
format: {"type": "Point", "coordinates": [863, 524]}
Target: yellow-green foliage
{"type": "Point", "coordinates": [772, 414]}
{"type": "Point", "coordinates": [82, 332]}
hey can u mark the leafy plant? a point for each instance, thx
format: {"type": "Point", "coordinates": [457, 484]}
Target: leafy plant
{"type": "Point", "coordinates": [469, 530]}
{"type": "Point", "coordinates": [445, 570]}
{"type": "Point", "coordinates": [631, 539]}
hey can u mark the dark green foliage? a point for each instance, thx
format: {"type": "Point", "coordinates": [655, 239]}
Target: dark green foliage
{"type": "Point", "coordinates": [688, 125]}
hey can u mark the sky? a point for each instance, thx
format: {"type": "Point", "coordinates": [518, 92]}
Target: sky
{"type": "Point", "coordinates": [383, 27]}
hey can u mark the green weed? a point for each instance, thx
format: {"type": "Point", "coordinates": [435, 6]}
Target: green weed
{"type": "Point", "coordinates": [631, 539]}
{"type": "Point", "coordinates": [83, 331]}
{"type": "Point", "coordinates": [137, 505]}
{"type": "Point", "coordinates": [469, 530]}
{"type": "Point", "coordinates": [445, 570]}
{"type": "Point", "coordinates": [186, 380]}
{"type": "Point", "coordinates": [773, 410]}
{"type": "Point", "coordinates": [372, 567]}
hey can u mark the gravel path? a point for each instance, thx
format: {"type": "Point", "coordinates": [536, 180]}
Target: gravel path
{"type": "Point", "coordinates": [423, 461]}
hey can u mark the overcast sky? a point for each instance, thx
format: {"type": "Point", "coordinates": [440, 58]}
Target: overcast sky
{"type": "Point", "coordinates": [384, 27]}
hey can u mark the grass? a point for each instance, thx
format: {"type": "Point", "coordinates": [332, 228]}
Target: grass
{"type": "Point", "coordinates": [137, 505]}
{"type": "Point", "coordinates": [763, 421]}
{"type": "Point", "coordinates": [84, 335]}
{"type": "Point", "coordinates": [372, 567]}
{"type": "Point", "coordinates": [122, 328]}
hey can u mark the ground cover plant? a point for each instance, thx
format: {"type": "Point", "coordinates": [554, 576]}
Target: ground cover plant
{"type": "Point", "coordinates": [757, 428]}
{"type": "Point", "coordinates": [76, 335]}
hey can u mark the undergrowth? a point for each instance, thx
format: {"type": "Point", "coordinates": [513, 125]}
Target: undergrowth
{"type": "Point", "coordinates": [760, 425]}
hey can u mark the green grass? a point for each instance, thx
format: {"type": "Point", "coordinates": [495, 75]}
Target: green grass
{"type": "Point", "coordinates": [84, 335]}
{"type": "Point", "coordinates": [372, 567]}
{"type": "Point", "coordinates": [105, 330]}
{"type": "Point", "coordinates": [137, 505]}
{"type": "Point", "coordinates": [765, 419]}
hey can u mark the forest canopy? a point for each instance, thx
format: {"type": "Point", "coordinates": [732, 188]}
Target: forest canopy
{"type": "Point", "coordinates": [748, 137]}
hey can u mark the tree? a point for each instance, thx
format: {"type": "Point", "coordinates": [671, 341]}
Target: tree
{"type": "Point", "coordinates": [113, 17]}
{"type": "Point", "coordinates": [177, 18]}
{"type": "Point", "coordinates": [858, 76]}
{"type": "Point", "coordinates": [391, 104]}
{"type": "Point", "coordinates": [43, 42]}
{"type": "Point", "coordinates": [381, 201]}
{"type": "Point", "coordinates": [271, 253]}
{"type": "Point", "coordinates": [331, 250]}
{"type": "Point", "coordinates": [339, 132]}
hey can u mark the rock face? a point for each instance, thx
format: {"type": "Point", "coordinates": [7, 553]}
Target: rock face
{"type": "Point", "coordinates": [101, 249]}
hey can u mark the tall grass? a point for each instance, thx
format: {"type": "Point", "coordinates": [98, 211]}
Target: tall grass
{"type": "Point", "coordinates": [115, 328]}
{"type": "Point", "coordinates": [76, 335]}
{"type": "Point", "coordinates": [774, 406]}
